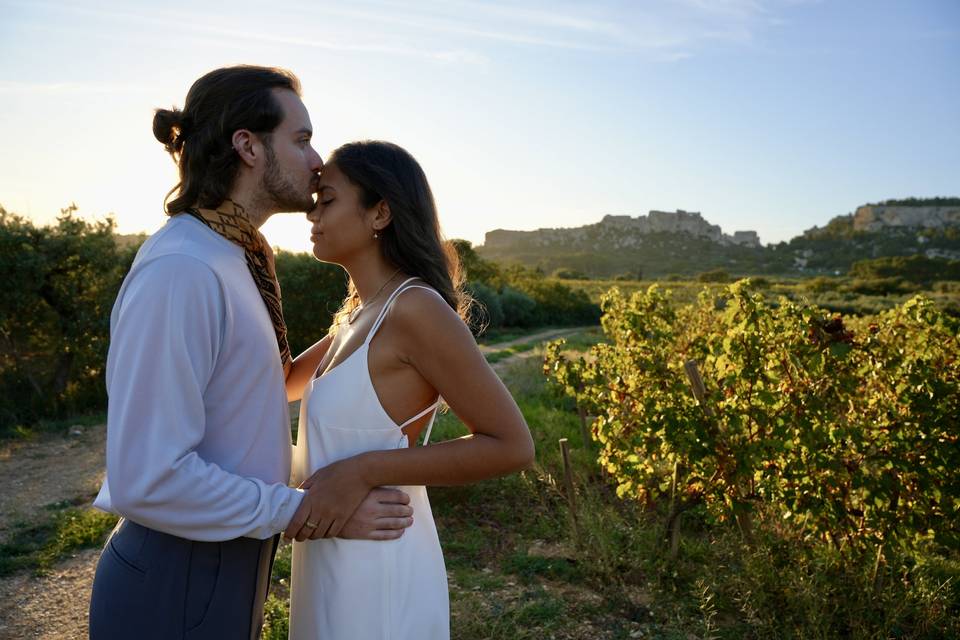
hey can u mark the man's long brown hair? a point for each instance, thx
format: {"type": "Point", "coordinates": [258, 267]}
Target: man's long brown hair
{"type": "Point", "coordinates": [412, 241]}
{"type": "Point", "coordinates": [200, 137]}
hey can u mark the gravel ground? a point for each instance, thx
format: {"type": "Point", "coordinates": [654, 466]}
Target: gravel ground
{"type": "Point", "coordinates": [52, 607]}
{"type": "Point", "coordinates": [34, 474]}
{"type": "Point", "coordinates": [48, 470]}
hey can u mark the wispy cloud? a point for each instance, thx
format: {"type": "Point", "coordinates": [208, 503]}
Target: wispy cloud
{"type": "Point", "coordinates": [210, 30]}
{"type": "Point", "coordinates": [63, 88]}
{"type": "Point", "coordinates": [455, 32]}
{"type": "Point", "coordinates": [670, 30]}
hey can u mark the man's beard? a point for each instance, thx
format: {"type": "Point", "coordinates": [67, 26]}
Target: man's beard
{"type": "Point", "coordinates": [280, 190]}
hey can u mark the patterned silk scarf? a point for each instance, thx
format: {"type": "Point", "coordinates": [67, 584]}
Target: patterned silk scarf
{"type": "Point", "coordinates": [230, 221]}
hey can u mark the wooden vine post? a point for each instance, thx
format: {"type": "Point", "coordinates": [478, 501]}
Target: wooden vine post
{"type": "Point", "coordinates": [568, 484]}
{"type": "Point", "coordinates": [584, 429]}
{"type": "Point", "coordinates": [700, 393]}
{"type": "Point", "coordinates": [677, 506]}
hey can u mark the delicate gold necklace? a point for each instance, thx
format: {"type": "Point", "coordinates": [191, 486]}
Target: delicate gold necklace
{"type": "Point", "coordinates": [356, 310]}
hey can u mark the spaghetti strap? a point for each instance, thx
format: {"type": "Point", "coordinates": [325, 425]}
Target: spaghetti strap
{"type": "Point", "coordinates": [433, 407]}
{"type": "Point", "coordinates": [373, 330]}
{"type": "Point", "coordinates": [426, 437]}
{"type": "Point", "coordinates": [421, 414]}
{"type": "Point", "coordinates": [383, 311]}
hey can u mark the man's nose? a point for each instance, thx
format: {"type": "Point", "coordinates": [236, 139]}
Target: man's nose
{"type": "Point", "coordinates": [317, 161]}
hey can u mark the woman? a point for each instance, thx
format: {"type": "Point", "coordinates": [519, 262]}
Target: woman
{"type": "Point", "coordinates": [369, 389]}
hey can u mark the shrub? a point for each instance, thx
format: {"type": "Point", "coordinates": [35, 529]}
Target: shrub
{"type": "Point", "coordinates": [519, 309]}
{"type": "Point", "coordinates": [714, 275]}
{"type": "Point", "coordinates": [312, 292]}
{"type": "Point", "coordinates": [54, 315]}
{"type": "Point", "coordinates": [564, 273]}
{"type": "Point", "coordinates": [488, 312]}
{"type": "Point", "coordinates": [917, 269]}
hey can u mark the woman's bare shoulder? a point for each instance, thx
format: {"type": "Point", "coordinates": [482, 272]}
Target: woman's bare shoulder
{"type": "Point", "coordinates": [423, 315]}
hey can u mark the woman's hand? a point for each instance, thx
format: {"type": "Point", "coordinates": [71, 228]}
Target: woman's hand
{"type": "Point", "coordinates": [333, 494]}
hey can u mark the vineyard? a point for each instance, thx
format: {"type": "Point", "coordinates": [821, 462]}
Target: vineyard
{"type": "Point", "coordinates": [739, 460]}
{"type": "Point", "coordinates": [794, 426]}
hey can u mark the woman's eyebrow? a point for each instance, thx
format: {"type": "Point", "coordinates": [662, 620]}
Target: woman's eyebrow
{"type": "Point", "coordinates": [326, 186]}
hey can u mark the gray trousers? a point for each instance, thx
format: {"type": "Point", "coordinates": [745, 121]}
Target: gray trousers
{"type": "Point", "coordinates": [152, 585]}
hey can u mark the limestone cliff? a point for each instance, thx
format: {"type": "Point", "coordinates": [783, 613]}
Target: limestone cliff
{"type": "Point", "coordinates": [880, 217]}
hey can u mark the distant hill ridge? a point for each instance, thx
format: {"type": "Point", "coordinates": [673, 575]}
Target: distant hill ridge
{"type": "Point", "coordinates": [622, 231]}
{"type": "Point", "coordinates": [683, 242]}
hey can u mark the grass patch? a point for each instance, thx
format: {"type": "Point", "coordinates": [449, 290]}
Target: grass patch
{"type": "Point", "coordinates": [281, 564]}
{"type": "Point", "coordinates": [496, 356]}
{"type": "Point", "coordinates": [493, 336]}
{"type": "Point", "coordinates": [40, 545]}
{"type": "Point", "coordinates": [276, 622]}
{"type": "Point", "coordinates": [528, 568]}
{"type": "Point", "coordinates": [49, 427]}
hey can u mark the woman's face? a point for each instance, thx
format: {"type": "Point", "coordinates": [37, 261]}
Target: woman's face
{"type": "Point", "coordinates": [341, 224]}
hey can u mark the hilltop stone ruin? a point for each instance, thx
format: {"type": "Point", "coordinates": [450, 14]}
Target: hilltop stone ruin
{"type": "Point", "coordinates": [621, 232]}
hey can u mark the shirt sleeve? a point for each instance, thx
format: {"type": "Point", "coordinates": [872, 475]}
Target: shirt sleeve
{"type": "Point", "coordinates": [166, 333]}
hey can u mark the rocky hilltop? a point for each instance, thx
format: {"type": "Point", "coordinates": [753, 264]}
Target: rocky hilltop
{"type": "Point", "coordinates": [683, 242]}
{"type": "Point", "coordinates": [872, 217]}
{"type": "Point", "coordinates": [620, 232]}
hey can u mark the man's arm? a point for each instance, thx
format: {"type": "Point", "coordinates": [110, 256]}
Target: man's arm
{"type": "Point", "coordinates": [165, 340]}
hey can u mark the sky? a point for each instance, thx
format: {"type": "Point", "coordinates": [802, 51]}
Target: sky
{"type": "Point", "coordinates": [770, 115]}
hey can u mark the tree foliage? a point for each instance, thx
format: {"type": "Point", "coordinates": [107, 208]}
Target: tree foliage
{"type": "Point", "coordinates": [517, 296]}
{"type": "Point", "coordinates": [61, 281]}
{"type": "Point", "coordinates": [312, 291]}
{"type": "Point", "coordinates": [918, 269]}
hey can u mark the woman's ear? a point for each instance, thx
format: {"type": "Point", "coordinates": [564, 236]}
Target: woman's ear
{"type": "Point", "coordinates": [382, 217]}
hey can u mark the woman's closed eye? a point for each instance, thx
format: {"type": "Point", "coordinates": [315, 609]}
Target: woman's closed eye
{"type": "Point", "coordinates": [326, 202]}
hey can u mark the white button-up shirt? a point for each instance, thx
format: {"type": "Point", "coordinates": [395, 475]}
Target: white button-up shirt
{"type": "Point", "coordinates": [198, 435]}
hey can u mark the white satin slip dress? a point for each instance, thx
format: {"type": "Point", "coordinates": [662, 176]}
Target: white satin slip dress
{"type": "Point", "coordinates": [364, 589]}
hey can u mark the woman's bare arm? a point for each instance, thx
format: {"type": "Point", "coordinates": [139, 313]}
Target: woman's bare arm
{"type": "Point", "coordinates": [444, 352]}
{"type": "Point", "coordinates": [305, 366]}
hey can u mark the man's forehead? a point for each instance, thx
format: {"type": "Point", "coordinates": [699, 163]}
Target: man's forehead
{"type": "Point", "coordinates": [295, 116]}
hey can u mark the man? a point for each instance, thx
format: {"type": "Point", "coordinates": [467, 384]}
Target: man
{"type": "Point", "coordinates": [198, 439]}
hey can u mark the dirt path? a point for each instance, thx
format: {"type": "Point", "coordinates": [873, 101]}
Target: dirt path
{"type": "Point", "coordinates": [52, 607]}
{"type": "Point", "coordinates": [49, 470]}
{"type": "Point", "coordinates": [542, 336]}
{"type": "Point", "coordinates": [35, 474]}
{"type": "Point", "coordinates": [501, 366]}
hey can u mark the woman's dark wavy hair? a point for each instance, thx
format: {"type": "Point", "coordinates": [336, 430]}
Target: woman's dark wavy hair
{"type": "Point", "coordinates": [199, 138]}
{"type": "Point", "coordinates": [413, 240]}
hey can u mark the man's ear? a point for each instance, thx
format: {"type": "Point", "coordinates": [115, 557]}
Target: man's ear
{"type": "Point", "coordinates": [382, 217]}
{"type": "Point", "coordinates": [248, 146]}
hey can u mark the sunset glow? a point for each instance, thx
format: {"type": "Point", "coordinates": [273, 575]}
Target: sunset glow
{"type": "Point", "coordinates": [765, 115]}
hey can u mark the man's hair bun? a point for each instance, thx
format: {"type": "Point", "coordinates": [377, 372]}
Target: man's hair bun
{"type": "Point", "coordinates": [168, 128]}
